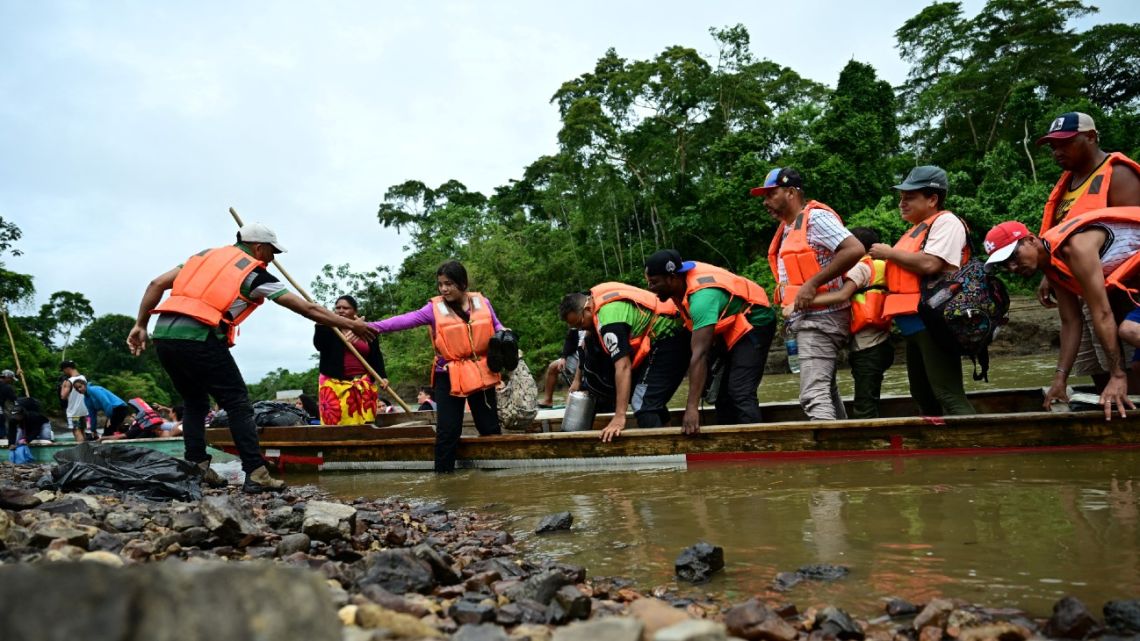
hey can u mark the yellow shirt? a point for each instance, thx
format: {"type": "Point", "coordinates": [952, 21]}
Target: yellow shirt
{"type": "Point", "coordinates": [1073, 195]}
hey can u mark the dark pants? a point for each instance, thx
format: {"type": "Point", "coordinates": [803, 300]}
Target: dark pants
{"type": "Point", "coordinates": [449, 417]}
{"type": "Point", "coordinates": [867, 369]}
{"type": "Point", "coordinates": [935, 374]}
{"type": "Point", "coordinates": [736, 401]}
{"type": "Point", "coordinates": [658, 378]}
{"type": "Point", "coordinates": [199, 370]}
{"type": "Point", "coordinates": [115, 420]}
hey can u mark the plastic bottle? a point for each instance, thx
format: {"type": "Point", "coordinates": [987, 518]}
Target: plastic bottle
{"type": "Point", "coordinates": [793, 355]}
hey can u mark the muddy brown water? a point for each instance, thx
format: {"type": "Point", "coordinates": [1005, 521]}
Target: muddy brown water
{"type": "Point", "coordinates": [1015, 530]}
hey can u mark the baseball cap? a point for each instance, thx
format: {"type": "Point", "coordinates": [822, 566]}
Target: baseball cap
{"type": "Point", "coordinates": [259, 233]}
{"type": "Point", "coordinates": [923, 177]}
{"type": "Point", "coordinates": [1002, 240]}
{"type": "Point", "coordinates": [779, 177]}
{"type": "Point", "coordinates": [667, 261]}
{"type": "Point", "coordinates": [1068, 125]}
{"type": "Point", "coordinates": [7, 374]}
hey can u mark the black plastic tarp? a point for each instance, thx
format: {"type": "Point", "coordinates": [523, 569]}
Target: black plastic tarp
{"type": "Point", "coordinates": [141, 472]}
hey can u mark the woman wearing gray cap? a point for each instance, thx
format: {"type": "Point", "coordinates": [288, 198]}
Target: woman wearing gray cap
{"type": "Point", "coordinates": [935, 243]}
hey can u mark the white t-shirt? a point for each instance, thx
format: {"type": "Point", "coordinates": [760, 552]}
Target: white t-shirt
{"type": "Point", "coordinates": [946, 239]}
{"type": "Point", "coordinates": [76, 402]}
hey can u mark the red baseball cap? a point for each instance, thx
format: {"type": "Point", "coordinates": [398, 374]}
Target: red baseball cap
{"type": "Point", "coordinates": [1002, 240]}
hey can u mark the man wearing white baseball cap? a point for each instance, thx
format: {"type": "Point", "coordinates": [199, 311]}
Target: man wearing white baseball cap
{"type": "Point", "coordinates": [211, 294]}
{"type": "Point", "coordinates": [1094, 257]}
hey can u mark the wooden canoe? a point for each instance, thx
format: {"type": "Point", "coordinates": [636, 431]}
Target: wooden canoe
{"type": "Point", "coordinates": [44, 452]}
{"type": "Point", "coordinates": [1009, 421]}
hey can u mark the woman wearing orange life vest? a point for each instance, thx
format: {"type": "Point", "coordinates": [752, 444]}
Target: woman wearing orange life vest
{"type": "Point", "coordinates": [461, 323]}
{"type": "Point", "coordinates": [935, 243]}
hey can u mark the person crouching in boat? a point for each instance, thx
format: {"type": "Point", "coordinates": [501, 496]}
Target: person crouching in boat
{"type": "Point", "coordinates": [646, 341]}
{"type": "Point", "coordinates": [1094, 256]}
{"type": "Point", "coordinates": [347, 394]}
{"type": "Point", "coordinates": [726, 313]}
{"type": "Point", "coordinates": [935, 243]}
{"type": "Point", "coordinates": [462, 323]}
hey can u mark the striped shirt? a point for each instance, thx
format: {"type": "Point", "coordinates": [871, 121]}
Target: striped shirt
{"type": "Point", "coordinates": [824, 234]}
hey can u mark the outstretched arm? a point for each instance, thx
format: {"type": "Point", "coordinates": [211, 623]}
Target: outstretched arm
{"type": "Point", "coordinates": [315, 312]}
{"type": "Point", "coordinates": [136, 340]}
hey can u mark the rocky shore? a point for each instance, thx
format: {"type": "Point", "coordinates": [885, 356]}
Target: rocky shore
{"type": "Point", "coordinates": [303, 566]}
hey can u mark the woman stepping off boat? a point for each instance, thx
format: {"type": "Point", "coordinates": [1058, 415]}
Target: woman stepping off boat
{"type": "Point", "coordinates": [462, 323]}
{"type": "Point", "coordinates": [347, 392]}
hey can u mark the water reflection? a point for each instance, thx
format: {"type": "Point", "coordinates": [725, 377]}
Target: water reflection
{"type": "Point", "coordinates": [1017, 530]}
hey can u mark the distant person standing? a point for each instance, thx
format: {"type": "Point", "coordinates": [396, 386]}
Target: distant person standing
{"type": "Point", "coordinates": [7, 399]}
{"type": "Point", "coordinates": [809, 254]}
{"type": "Point", "coordinates": [347, 393]}
{"type": "Point", "coordinates": [462, 323]}
{"type": "Point", "coordinates": [76, 405]}
{"type": "Point", "coordinates": [211, 294]}
{"type": "Point", "coordinates": [564, 368]}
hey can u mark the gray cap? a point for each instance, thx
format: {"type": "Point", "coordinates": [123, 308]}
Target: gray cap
{"type": "Point", "coordinates": [923, 177]}
{"type": "Point", "coordinates": [7, 374]}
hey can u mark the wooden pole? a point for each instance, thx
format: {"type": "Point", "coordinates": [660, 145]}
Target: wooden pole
{"type": "Point", "coordinates": [340, 334]}
{"type": "Point", "coordinates": [15, 355]}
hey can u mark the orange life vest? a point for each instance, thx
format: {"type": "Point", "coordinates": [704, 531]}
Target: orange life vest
{"type": "Point", "coordinates": [731, 328]}
{"type": "Point", "coordinates": [463, 344]}
{"type": "Point", "coordinates": [867, 303]}
{"type": "Point", "coordinates": [904, 286]}
{"type": "Point", "coordinates": [610, 292]}
{"type": "Point", "coordinates": [1060, 274]}
{"type": "Point", "coordinates": [1095, 197]}
{"type": "Point", "coordinates": [800, 262]}
{"type": "Point", "coordinates": [207, 286]}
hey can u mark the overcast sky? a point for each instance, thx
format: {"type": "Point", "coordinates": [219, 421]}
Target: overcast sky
{"type": "Point", "coordinates": [128, 128]}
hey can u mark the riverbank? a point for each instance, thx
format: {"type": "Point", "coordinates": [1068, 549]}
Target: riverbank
{"type": "Point", "coordinates": [379, 568]}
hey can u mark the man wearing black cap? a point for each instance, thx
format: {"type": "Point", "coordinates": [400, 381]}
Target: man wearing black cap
{"type": "Point", "coordinates": [809, 254]}
{"type": "Point", "coordinates": [728, 315]}
{"type": "Point", "coordinates": [211, 294]}
{"type": "Point", "coordinates": [1092, 179]}
{"type": "Point", "coordinates": [935, 243]}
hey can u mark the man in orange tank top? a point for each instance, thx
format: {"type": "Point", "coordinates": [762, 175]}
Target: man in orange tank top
{"type": "Point", "coordinates": [198, 359]}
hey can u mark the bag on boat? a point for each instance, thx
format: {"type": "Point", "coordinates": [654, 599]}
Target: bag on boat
{"type": "Point", "coordinates": [278, 414]}
{"type": "Point", "coordinates": [965, 308]}
{"type": "Point", "coordinates": [22, 455]}
{"type": "Point", "coordinates": [518, 400]}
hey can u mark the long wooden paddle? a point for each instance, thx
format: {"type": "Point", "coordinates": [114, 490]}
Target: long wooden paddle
{"type": "Point", "coordinates": [347, 343]}
{"type": "Point", "coordinates": [15, 356]}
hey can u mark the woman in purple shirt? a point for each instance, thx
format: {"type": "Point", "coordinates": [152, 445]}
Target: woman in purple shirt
{"type": "Point", "coordinates": [454, 302]}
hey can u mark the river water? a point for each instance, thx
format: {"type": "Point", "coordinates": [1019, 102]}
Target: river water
{"type": "Point", "coordinates": [1017, 530]}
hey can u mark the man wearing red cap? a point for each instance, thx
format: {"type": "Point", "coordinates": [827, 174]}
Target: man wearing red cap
{"type": "Point", "coordinates": [1094, 256]}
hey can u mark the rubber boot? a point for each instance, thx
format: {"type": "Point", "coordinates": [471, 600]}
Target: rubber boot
{"type": "Point", "coordinates": [259, 481]}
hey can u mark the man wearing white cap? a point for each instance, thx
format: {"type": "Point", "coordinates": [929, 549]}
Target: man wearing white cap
{"type": "Point", "coordinates": [211, 294]}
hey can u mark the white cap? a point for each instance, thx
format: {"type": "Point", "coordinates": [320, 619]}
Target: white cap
{"type": "Point", "coordinates": [259, 233]}
{"type": "Point", "coordinates": [7, 374]}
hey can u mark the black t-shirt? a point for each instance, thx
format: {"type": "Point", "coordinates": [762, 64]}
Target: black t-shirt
{"type": "Point", "coordinates": [615, 339]}
{"type": "Point", "coordinates": [7, 398]}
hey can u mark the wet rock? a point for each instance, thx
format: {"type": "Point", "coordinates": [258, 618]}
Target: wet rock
{"type": "Point", "coordinates": [505, 567]}
{"type": "Point", "coordinates": [428, 509]}
{"type": "Point", "coordinates": [1123, 617]}
{"type": "Point", "coordinates": [193, 536]}
{"type": "Point", "coordinates": [398, 571]}
{"type": "Point", "coordinates": [554, 523]}
{"type": "Point", "coordinates": [125, 521]}
{"type": "Point", "coordinates": [68, 505]}
{"type": "Point", "coordinates": [15, 498]}
{"type": "Point", "coordinates": [609, 629]}
{"type": "Point", "coordinates": [440, 568]}
{"type": "Point", "coordinates": [656, 614]}
{"type": "Point", "coordinates": [480, 632]}
{"type": "Point", "coordinates": [936, 613]}
{"type": "Point", "coordinates": [693, 630]}
{"type": "Point", "coordinates": [481, 582]}
{"type": "Point", "coordinates": [823, 572]}
{"type": "Point", "coordinates": [386, 599]}
{"type": "Point", "coordinates": [464, 612]}
{"type": "Point", "coordinates": [285, 518]}
{"type": "Point", "coordinates": [835, 623]}
{"type": "Point", "coordinates": [568, 604]}
{"type": "Point", "coordinates": [46, 531]}
{"type": "Point", "coordinates": [753, 620]}
{"type": "Point", "coordinates": [696, 563]}
{"type": "Point", "coordinates": [573, 573]}
{"type": "Point", "coordinates": [785, 581]}
{"type": "Point", "coordinates": [326, 521]}
{"type": "Point", "coordinates": [963, 618]}
{"type": "Point", "coordinates": [400, 624]}
{"type": "Point", "coordinates": [182, 521]}
{"type": "Point", "coordinates": [133, 604]}
{"type": "Point", "coordinates": [105, 542]}
{"type": "Point", "coordinates": [105, 558]}
{"type": "Point", "coordinates": [1001, 631]}
{"type": "Point", "coordinates": [291, 543]}
{"type": "Point", "coordinates": [540, 587]}
{"type": "Point", "coordinates": [223, 518]}
{"type": "Point", "coordinates": [901, 608]}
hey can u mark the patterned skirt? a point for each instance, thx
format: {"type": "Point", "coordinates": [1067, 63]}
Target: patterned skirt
{"type": "Point", "coordinates": [351, 402]}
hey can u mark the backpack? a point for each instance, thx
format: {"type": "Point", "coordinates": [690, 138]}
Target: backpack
{"type": "Point", "coordinates": [965, 309]}
{"type": "Point", "coordinates": [518, 399]}
{"type": "Point", "coordinates": [278, 414]}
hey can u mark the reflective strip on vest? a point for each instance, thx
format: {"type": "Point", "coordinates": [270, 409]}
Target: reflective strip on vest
{"type": "Point", "coordinates": [731, 327]}
{"type": "Point", "coordinates": [207, 286]}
